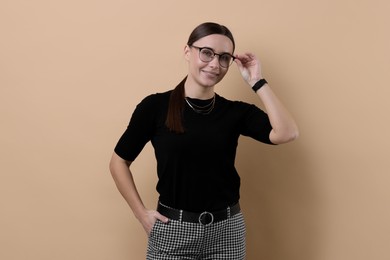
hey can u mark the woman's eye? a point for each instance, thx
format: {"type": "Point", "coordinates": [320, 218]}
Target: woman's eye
{"type": "Point", "coordinates": [208, 53]}
{"type": "Point", "coordinates": [225, 58]}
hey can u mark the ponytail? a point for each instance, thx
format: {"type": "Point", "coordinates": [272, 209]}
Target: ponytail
{"type": "Point", "coordinates": [174, 120]}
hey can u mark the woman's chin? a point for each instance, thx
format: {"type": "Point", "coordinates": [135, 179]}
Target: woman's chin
{"type": "Point", "coordinates": [210, 82]}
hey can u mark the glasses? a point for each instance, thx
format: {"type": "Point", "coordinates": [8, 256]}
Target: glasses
{"type": "Point", "coordinates": [206, 55]}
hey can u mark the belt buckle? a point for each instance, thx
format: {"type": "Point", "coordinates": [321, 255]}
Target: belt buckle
{"type": "Point", "coordinates": [206, 218]}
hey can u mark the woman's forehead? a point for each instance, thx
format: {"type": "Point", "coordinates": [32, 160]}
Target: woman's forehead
{"type": "Point", "coordinates": [217, 42]}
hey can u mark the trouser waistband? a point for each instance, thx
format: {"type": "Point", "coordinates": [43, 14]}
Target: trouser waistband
{"type": "Point", "coordinates": [204, 218]}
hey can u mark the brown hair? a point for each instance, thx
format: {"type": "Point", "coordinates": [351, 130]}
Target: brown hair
{"type": "Point", "coordinates": [176, 100]}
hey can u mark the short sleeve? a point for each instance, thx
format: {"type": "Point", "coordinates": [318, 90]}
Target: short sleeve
{"type": "Point", "coordinates": [256, 124]}
{"type": "Point", "coordinates": [139, 130]}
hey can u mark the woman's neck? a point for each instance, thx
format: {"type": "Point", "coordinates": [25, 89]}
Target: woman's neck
{"type": "Point", "coordinates": [194, 90]}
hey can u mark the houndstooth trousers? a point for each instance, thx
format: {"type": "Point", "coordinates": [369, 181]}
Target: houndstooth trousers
{"type": "Point", "coordinates": [178, 240]}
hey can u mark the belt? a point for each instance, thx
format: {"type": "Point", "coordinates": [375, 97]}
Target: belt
{"type": "Point", "coordinates": [205, 218]}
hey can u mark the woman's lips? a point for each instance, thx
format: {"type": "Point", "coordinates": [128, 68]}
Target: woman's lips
{"type": "Point", "coordinates": [211, 74]}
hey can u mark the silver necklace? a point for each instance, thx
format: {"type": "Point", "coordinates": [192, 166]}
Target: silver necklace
{"type": "Point", "coordinates": [201, 109]}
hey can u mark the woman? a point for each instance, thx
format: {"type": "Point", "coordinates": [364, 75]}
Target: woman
{"type": "Point", "coordinates": [195, 132]}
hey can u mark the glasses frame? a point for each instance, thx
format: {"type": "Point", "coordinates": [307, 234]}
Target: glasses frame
{"type": "Point", "coordinates": [215, 54]}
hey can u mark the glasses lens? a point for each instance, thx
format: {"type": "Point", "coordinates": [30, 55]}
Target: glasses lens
{"type": "Point", "coordinates": [225, 60]}
{"type": "Point", "coordinates": [206, 55]}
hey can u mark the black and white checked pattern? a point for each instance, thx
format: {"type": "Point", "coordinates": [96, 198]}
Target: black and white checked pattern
{"type": "Point", "coordinates": [182, 240]}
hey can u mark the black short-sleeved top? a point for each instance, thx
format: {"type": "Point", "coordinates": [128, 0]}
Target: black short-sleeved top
{"type": "Point", "coordinates": [195, 169]}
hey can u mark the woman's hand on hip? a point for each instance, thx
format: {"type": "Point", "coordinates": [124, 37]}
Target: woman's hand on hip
{"type": "Point", "coordinates": [149, 219]}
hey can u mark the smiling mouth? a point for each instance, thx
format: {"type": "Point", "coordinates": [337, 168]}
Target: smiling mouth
{"type": "Point", "coordinates": [209, 73]}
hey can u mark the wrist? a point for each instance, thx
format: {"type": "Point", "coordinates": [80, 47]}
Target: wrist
{"type": "Point", "coordinates": [253, 80]}
{"type": "Point", "coordinates": [139, 211]}
{"type": "Point", "coordinates": [259, 84]}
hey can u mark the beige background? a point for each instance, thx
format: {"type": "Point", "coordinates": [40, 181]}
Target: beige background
{"type": "Point", "coordinates": [71, 72]}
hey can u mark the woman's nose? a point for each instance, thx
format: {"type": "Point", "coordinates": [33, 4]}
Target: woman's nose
{"type": "Point", "coordinates": [215, 61]}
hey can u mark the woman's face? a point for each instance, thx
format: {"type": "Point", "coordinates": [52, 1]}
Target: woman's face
{"type": "Point", "coordinates": [207, 74]}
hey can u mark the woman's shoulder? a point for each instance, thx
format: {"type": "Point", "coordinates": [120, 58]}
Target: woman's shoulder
{"type": "Point", "coordinates": [155, 100]}
{"type": "Point", "coordinates": [158, 97]}
{"type": "Point", "coordinates": [234, 103]}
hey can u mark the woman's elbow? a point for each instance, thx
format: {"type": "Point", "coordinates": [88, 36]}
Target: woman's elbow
{"type": "Point", "coordinates": [117, 162]}
{"type": "Point", "coordinates": [294, 135]}
{"type": "Point", "coordinates": [284, 136]}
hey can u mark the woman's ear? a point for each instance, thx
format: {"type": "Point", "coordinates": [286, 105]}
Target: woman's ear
{"type": "Point", "coordinates": [187, 52]}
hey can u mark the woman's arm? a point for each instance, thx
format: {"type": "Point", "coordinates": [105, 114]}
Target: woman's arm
{"type": "Point", "coordinates": [124, 181]}
{"type": "Point", "coordinates": [284, 128]}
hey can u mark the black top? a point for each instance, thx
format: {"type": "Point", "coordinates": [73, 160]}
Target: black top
{"type": "Point", "coordinates": [195, 169]}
